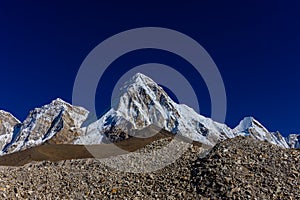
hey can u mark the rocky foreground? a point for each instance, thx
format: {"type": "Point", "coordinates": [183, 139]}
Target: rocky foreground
{"type": "Point", "coordinates": [244, 168]}
{"type": "Point", "coordinates": [240, 168]}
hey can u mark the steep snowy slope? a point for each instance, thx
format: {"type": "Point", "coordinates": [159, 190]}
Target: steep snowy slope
{"type": "Point", "coordinates": [250, 126]}
{"type": "Point", "coordinates": [58, 121]}
{"type": "Point", "coordinates": [9, 125]}
{"type": "Point", "coordinates": [142, 102]}
{"type": "Point", "coordinates": [293, 140]}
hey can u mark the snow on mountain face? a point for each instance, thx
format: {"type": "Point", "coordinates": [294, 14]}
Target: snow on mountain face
{"type": "Point", "coordinates": [8, 125]}
{"type": "Point", "coordinates": [7, 122]}
{"type": "Point", "coordinates": [58, 121]}
{"type": "Point", "coordinates": [250, 126]}
{"type": "Point", "coordinates": [142, 103]}
{"type": "Point", "coordinates": [293, 140]}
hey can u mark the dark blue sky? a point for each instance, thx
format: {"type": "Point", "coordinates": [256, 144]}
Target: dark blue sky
{"type": "Point", "coordinates": [255, 44]}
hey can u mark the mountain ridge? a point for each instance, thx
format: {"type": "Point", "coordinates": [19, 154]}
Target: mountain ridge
{"type": "Point", "coordinates": [141, 103]}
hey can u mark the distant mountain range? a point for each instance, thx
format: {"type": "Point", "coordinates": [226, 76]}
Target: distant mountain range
{"type": "Point", "coordinates": [142, 103]}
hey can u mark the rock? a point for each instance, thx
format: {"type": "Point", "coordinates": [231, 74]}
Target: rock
{"type": "Point", "coordinates": [94, 179]}
{"type": "Point", "coordinates": [193, 176]}
{"type": "Point", "coordinates": [244, 168]}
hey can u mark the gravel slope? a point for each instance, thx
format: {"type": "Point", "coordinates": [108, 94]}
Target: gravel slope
{"type": "Point", "coordinates": [244, 168]}
{"type": "Point", "coordinates": [92, 179]}
{"type": "Point", "coordinates": [240, 168]}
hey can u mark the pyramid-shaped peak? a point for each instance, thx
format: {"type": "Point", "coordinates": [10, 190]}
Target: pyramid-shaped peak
{"type": "Point", "coordinates": [249, 122]}
{"type": "Point", "coordinates": [59, 101]}
{"type": "Point", "coordinates": [140, 78]}
{"type": "Point", "coordinates": [7, 115]}
{"type": "Point", "coordinates": [140, 75]}
{"type": "Point", "coordinates": [3, 112]}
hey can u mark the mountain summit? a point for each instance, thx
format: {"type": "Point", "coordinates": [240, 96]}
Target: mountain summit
{"type": "Point", "coordinates": [141, 103]}
{"type": "Point", "coordinates": [250, 126]}
{"type": "Point", "coordinates": [57, 121]}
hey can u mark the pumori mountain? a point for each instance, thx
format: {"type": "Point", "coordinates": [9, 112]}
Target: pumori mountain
{"type": "Point", "coordinates": [141, 103]}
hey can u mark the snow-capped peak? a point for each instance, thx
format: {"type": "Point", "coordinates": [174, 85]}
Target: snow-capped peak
{"type": "Point", "coordinates": [139, 78]}
{"type": "Point", "coordinates": [293, 140]}
{"type": "Point", "coordinates": [251, 127]}
{"type": "Point", "coordinates": [43, 123]}
{"type": "Point", "coordinates": [249, 122]}
{"type": "Point", "coordinates": [140, 81]}
{"type": "Point", "coordinates": [5, 114]}
{"type": "Point", "coordinates": [59, 101]}
{"type": "Point", "coordinates": [142, 102]}
{"type": "Point", "coordinates": [8, 124]}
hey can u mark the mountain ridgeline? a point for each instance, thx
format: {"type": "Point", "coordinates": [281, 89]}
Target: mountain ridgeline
{"type": "Point", "coordinates": [142, 103]}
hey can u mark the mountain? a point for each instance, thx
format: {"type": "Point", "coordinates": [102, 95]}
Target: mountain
{"type": "Point", "coordinates": [141, 103]}
{"type": "Point", "coordinates": [293, 140]}
{"type": "Point", "coordinates": [59, 152]}
{"type": "Point", "coordinates": [57, 122]}
{"type": "Point", "coordinates": [9, 126]}
{"type": "Point", "coordinates": [250, 126]}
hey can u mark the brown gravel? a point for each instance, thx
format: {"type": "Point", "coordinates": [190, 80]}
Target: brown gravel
{"type": "Point", "coordinates": [244, 168]}
{"type": "Point", "coordinates": [91, 179]}
{"type": "Point", "coordinates": [240, 168]}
